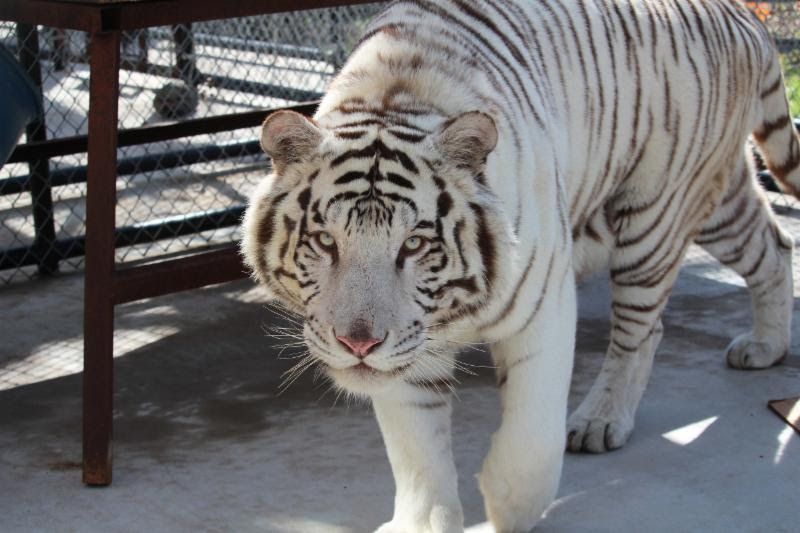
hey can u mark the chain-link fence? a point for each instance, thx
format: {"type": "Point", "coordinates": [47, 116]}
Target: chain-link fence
{"type": "Point", "coordinates": [176, 194]}
{"type": "Point", "coordinates": [189, 192]}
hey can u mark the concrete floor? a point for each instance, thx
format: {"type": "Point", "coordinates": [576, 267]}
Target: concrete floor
{"type": "Point", "coordinates": [204, 443]}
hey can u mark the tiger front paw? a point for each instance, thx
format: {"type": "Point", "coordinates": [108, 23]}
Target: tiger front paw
{"type": "Point", "coordinates": [515, 495]}
{"type": "Point", "coordinates": [391, 527]}
{"type": "Point", "coordinates": [440, 519]}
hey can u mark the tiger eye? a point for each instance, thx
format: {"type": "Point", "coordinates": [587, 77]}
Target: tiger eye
{"type": "Point", "coordinates": [325, 239]}
{"type": "Point", "coordinates": [413, 244]}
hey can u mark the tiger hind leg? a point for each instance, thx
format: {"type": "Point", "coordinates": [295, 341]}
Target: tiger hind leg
{"type": "Point", "coordinates": [744, 235]}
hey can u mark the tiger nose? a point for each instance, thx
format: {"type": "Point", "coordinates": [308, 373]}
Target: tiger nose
{"type": "Point", "coordinates": [359, 347]}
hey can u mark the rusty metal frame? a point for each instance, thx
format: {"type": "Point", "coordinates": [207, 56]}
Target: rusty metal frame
{"type": "Point", "coordinates": [106, 285]}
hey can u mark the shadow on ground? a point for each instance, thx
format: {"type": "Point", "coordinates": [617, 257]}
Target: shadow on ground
{"type": "Point", "coordinates": [204, 442]}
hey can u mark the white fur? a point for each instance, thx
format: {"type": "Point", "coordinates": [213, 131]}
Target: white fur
{"type": "Point", "coordinates": [583, 132]}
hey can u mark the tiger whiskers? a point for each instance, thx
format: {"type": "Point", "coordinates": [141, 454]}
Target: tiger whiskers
{"type": "Point", "coordinates": [331, 386]}
{"type": "Point", "coordinates": [293, 374]}
{"type": "Point", "coordinates": [349, 396]}
{"type": "Point", "coordinates": [428, 372]}
{"type": "Point", "coordinates": [430, 332]}
{"type": "Point", "coordinates": [477, 346]}
{"type": "Point", "coordinates": [455, 363]}
{"type": "Point", "coordinates": [285, 313]}
{"type": "Point", "coordinates": [289, 339]}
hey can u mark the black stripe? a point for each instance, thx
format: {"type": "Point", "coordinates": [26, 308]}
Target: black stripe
{"type": "Point", "coordinates": [407, 137]}
{"type": "Point", "coordinates": [772, 88]}
{"type": "Point", "coordinates": [342, 196]}
{"type": "Point", "coordinates": [459, 226]}
{"type": "Point", "coordinates": [768, 127]}
{"type": "Point", "coordinates": [304, 198]}
{"type": "Point", "coordinates": [377, 148]}
{"type": "Point", "coordinates": [485, 242]}
{"type": "Point", "coordinates": [266, 228]}
{"type": "Point", "coordinates": [349, 176]}
{"type": "Point", "coordinates": [399, 180]}
{"type": "Point", "coordinates": [289, 225]}
{"type": "Point", "coordinates": [399, 198]}
{"type": "Point", "coordinates": [468, 284]}
{"type": "Point", "coordinates": [443, 204]}
{"type": "Point", "coordinates": [349, 135]}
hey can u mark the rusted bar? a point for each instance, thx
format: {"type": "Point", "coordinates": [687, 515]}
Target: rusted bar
{"type": "Point", "coordinates": [72, 16]}
{"type": "Point", "coordinates": [165, 277]}
{"type": "Point", "coordinates": [151, 231]}
{"type": "Point", "coordinates": [107, 16]}
{"type": "Point", "coordinates": [138, 164]}
{"type": "Point", "coordinates": [151, 134]}
{"type": "Point", "coordinates": [98, 324]}
{"type": "Point", "coordinates": [163, 12]}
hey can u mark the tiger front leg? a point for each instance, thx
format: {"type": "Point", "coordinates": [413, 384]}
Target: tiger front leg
{"type": "Point", "coordinates": [521, 473]}
{"type": "Point", "coordinates": [415, 423]}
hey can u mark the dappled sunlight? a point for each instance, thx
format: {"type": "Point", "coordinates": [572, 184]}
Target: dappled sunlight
{"type": "Point", "coordinates": [128, 340]}
{"type": "Point", "coordinates": [50, 360]}
{"type": "Point", "coordinates": [64, 357]}
{"type": "Point", "coordinates": [297, 523]}
{"type": "Point", "coordinates": [689, 433]}
{"type": "Point", "coordinates": [252, 294]}
{"type": "Point", "coordinates": [783, 441]}
{"type": "Point", "coordinates": [700, 263]}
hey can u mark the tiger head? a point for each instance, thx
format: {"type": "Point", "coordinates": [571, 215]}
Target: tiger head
{"type": "Point", "coordinates": [384, 239]}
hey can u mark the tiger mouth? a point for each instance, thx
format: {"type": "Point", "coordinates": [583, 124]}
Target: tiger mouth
{"type": "Point", "coordinates": [364, 369]}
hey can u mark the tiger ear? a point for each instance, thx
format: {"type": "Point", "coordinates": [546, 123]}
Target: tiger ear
{"type": "Point", "coordinates": [467, 139]}
{"type": "Point", "coordinates": [289, 137]}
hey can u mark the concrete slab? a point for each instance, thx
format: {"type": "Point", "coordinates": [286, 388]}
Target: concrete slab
{"type": "Point", "coordinates": [205, 443]}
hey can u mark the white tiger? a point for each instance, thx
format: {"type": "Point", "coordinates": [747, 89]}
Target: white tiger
{"type": "Point", "coordinates": [471, 159]}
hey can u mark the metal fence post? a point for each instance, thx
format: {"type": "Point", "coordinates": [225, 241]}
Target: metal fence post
{"type": "Point", "coordinates": [41, 192]}
{"type": "Point", "coordinates": [98, 318]}
{"type": "Point", "coordinates": [184, 54]}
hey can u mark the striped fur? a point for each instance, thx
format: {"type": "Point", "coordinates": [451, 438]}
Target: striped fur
{"type": "Point", "coordinates": [525, 144]}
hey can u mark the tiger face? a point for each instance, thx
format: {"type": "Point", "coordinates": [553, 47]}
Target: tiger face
{"type": "Point", "coordinates": [383, 239]}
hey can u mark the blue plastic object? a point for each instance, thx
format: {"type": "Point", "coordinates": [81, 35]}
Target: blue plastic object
{"type": "Point", "coordinates": [19, 103]}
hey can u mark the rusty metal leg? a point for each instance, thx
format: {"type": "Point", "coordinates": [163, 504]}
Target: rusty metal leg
{"type": "Point", "coordinates": [98, 325]}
